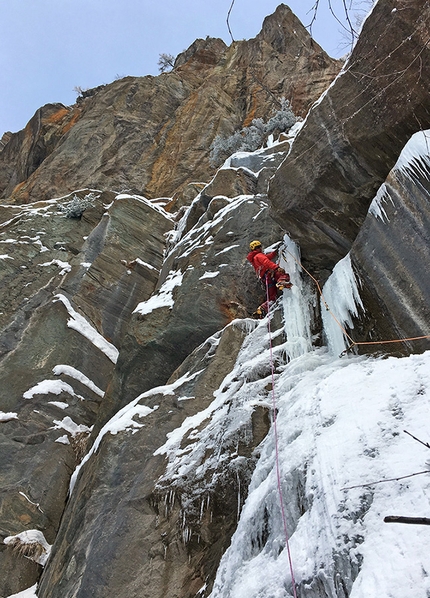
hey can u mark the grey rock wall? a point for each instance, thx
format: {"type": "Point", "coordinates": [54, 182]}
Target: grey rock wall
{"type": "Point", "coordinates": [53, 376]}
{"type": "Point", "coordinates": [391, 256]}
{"type": "Point", "coordinates": [354, 134]}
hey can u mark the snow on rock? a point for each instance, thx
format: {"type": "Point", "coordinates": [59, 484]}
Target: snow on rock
{"type": "Point", "coordinates": [70, 426]}
{"type": "Point", "coordinates": [79, 323]}
{"type": "Point", "coordinates": [208, 275]}
{"type": "Point", "coordinates": [45, 387]}
{"type": "Point", "coordinates": [226, 249]}
{"type": "Point", "coordinates": [72, 372]}
{"type": "Point", "coordinates": [58, 404]}
{"type": "Point", "coordinates": [158, 207]}
{"type": "Point", "coordinates": [64, 266]}
{"type": "Point", "coordinates": [28, 593]}
{"type": "Point", "coordinates": [199, 236]}
{"type": "Point", "coordinates": [164, 297]}
{"type": "Point", "coordinates": [124, 419]}
{"type": "Point", "coordinates": [6, 417]}
{"type": "Point", "coordinates": [145, 264]}
{"type": "Point", "coordinates": [63, 439]}
{"type": "Point", "coordinates": [32, 544]}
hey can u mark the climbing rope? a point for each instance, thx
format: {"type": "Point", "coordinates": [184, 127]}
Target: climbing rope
{"type": "Point", "coordinates": [275, 430]}
{"type": "Point", "coordinates": [353, 343]}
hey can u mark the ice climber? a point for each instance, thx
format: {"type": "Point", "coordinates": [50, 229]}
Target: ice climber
{"type": "Point", "coordinates": [271, 275]}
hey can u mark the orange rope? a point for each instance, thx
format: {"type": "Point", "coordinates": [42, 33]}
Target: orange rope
{"type": "Point", "coordinates": [353, 342]}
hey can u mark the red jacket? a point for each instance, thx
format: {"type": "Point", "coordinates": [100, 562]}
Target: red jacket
{"type": "Point", "coordinates": [262, 261]}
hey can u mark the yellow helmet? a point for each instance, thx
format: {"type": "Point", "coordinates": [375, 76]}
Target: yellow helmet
{"type": "Point", "coordinates": [254, 245]}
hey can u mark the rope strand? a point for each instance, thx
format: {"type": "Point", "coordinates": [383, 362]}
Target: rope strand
{"type": "Point", "coordinates": [275, 429]}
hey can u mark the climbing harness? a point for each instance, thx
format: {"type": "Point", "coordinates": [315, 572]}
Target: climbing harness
{"type": "Point", "coordinates": [353, 343]}
{"type": "Point", "coordinates": [275, 430]}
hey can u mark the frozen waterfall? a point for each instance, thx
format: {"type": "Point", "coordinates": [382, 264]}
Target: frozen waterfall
{"type": "Point", "coordinates": [340, 432]}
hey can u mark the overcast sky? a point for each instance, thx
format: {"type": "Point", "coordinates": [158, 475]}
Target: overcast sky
{"type": "Point", "coordinates": [50, 47]}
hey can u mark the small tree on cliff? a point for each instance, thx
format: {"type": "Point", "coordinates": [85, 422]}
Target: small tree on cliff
{"type": "Point", "coordinates": [166, 62]}
{"type": "Point", "coordinates": [251, 138]}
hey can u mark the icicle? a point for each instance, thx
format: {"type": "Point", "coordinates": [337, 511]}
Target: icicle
{"type": "Point", "coordinates": [342, 296]}
{"type": "Point", "coordinates": [296, 304]}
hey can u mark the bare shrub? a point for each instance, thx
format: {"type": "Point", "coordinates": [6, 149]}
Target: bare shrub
{"type": "Point", "coordinates": [79, 444]}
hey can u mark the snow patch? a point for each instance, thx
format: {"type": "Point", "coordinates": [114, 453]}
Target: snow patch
{"type": "Point", "coordinates": [226, 249]}
{"type": "Point", "coordinates": [65, 266]}
{"type": "Point", "coordinates": [6, 417]}
{"type": "Point", "coordinates": [79, 323]}
{"type": "Point", "coordinates": [45, 387]}
{"type": "Point", "coordinates": [72, 372]}
{"type": "Point", "coordinates": [151, 204]}
{"type": "Point", "coordinates": [63, 439]}
{"type": "Point", "coordinates": [164, 297]}
{"type": "Point", "coordinates": [58, 404]}
{"type": "Point", "coordinates": [145, 264]}
{"type": "Point", "coordinates": [70, 426]}
{"type": "Point", "coordinates": [209, 275]}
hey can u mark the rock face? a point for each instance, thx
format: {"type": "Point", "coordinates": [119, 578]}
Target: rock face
{"type": "Point", "coordinates": [152, 135]}
{"type": "Point", "coordinates": [149, 522]}
{"type": "Point", "coordinates": [57, 362]}
{"type": "Point", "coordinates": [391, 253]}
{"type": "Point", "coordinates": [353, 136]}
{"type": "Point", "coordinates": [207, 267]}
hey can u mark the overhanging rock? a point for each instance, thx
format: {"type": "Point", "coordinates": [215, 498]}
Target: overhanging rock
{"type": "Point", "coordinates": [353, 135]}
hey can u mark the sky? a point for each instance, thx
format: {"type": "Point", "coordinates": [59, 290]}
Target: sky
{"type": "Point", "coordinates": [48, 48]}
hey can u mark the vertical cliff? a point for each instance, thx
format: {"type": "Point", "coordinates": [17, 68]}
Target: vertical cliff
{"type": "Point", "coordinates": [152, 135]}
{"type": "Point", "coordinates": [155, 439]}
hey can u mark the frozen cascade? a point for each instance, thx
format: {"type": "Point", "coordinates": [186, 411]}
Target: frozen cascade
{"type": "Point", "coordinates": [340, 424]}
{"type": "Point", "coordinates": [342, 297]}
{"type": "Point", "coordinates": [296, 303]}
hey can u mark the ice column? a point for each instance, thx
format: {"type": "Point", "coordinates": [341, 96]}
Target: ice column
{"type": "Point", "coordinates": [296, 303]}
{"type": "Point", "coordinates": [342, 297]}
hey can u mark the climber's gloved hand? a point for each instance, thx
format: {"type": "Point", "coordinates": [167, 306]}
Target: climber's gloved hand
{"type": "Point", "coordinates": [281, 270]}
